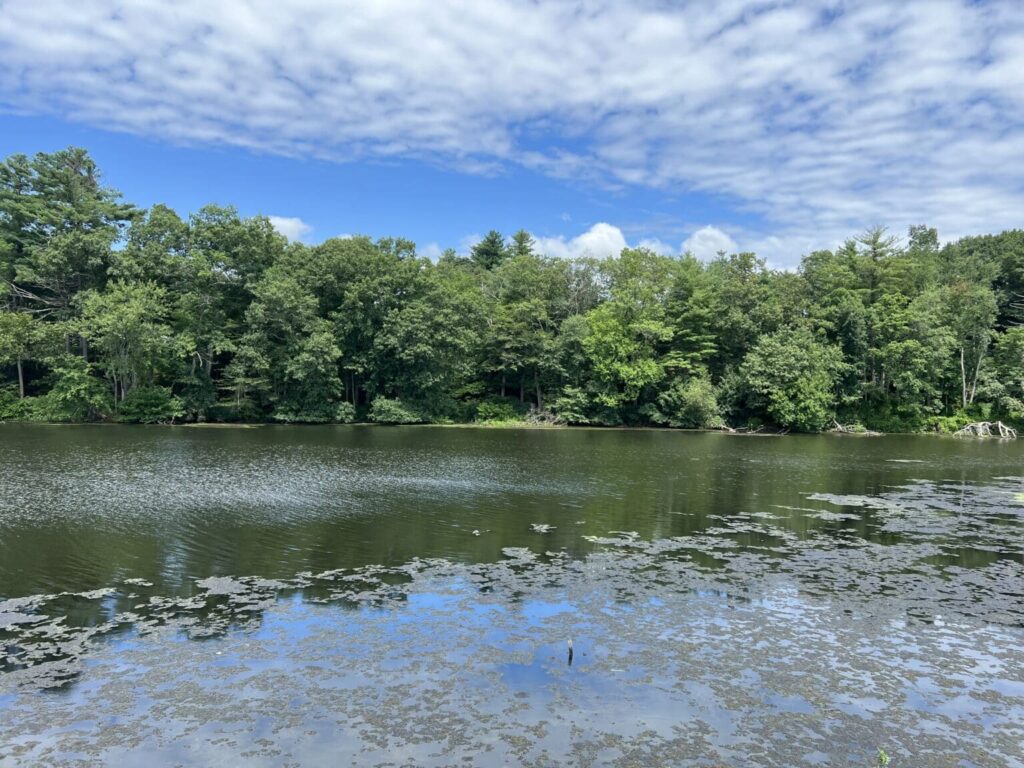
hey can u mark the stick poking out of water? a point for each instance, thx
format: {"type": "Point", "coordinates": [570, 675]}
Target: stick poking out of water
{"type": "Point", "coordinates": [570, 651]}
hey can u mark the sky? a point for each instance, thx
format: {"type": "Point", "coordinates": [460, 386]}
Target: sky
{"type": "Point", "coordinates": [776, 127]}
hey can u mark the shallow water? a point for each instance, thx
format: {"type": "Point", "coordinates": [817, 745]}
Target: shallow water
{"type": "Point", "coordinates": [365, 596]}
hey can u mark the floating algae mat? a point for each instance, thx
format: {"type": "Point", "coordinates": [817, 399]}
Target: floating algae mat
{"type": "Point", "coordinates": [795, 623]}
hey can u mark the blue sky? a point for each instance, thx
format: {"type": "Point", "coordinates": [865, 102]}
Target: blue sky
{"type": "Point", "coordinates": [770, 126]}
{"type": "Point", "coordinates": [422, 201]}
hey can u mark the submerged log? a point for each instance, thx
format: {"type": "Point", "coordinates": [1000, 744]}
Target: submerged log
{"type": "Point", "coordinates": [987, 429]}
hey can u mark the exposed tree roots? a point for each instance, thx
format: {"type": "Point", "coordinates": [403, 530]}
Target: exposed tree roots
{"type": "Point", "coordinates": [986, 429]}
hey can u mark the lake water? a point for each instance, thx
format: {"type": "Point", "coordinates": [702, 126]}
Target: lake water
{"type": "Point", "coordinates": [405, 596]}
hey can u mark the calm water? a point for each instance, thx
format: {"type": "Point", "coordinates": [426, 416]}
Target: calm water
{"type": "Point", "coordinates": [404, 596]}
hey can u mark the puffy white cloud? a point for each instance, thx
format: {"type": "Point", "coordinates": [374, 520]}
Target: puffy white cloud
{"type": "Point", "coordinates": [785, 249]}
{"type": "Point", "coordinates": [658, 246]}
{"type": "Point", "coordinates": [291, 227]}
{"type": "Point", "coordinates": [431, 251]}
{"type": "Point", "coordinates": [600, 240]}
{"type": "Point", "coordinates": [707, 241]}
{"type": "Point", "coordinates": [822, 116]}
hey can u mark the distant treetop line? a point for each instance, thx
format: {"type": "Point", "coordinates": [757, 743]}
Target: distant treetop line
{"type": "Point", "coordinates": [111, 312]}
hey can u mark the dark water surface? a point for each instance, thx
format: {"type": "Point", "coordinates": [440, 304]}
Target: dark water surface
{"type": "Point", "coordinates": [404, 596]}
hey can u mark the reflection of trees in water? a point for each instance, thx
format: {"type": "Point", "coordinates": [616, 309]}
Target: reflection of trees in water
{"type": "Point", "coordinates": [173, 505]}
{"type": "Point", "coordinates": [736, 559]}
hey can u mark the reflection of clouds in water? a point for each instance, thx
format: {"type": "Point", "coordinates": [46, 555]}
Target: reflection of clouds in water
{"type": "Point", "coordinates": [434, 662]}
{"type": "Point", "coordinates": [966, 515]}
{"type": "Point", "coordinates": [842, 623]}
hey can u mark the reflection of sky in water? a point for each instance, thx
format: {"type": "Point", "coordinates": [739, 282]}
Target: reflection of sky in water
{"type": "Point", "coordinates": [403, 609]}
{"type": "Point", "coordinates": [437, 670]}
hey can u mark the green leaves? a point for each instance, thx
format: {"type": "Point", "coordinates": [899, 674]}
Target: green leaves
{"type": "Point", "coordinates": [150, 405]}
{"type": "Point", "coordinates": [128, 326]}
{"type": "Point", "coordinates": [109, 312]}
{"type": "Point", "coordinates": [76, 393]}
{"type": "Point", "coordinates": [790, 376]}
{"type": "Point", "coordinates": [628, 333]}
{"type": "Point", "coordinates": [689, 403]}
{"type": "Point", "coordinates": [288, 358]}
{"type": "Point", "coordinates": [392, 411]}
{"type": "Point", "coordinates": [58, 225]}
{"type": "Point", "coordinates": [18, 333]}
{"type": "Point", "coordinates": [490, 251]}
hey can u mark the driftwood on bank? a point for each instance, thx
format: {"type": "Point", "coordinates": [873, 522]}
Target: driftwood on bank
{"type": "Point", "coordinates": [760, 430]}
{"type": "Point", "coordinates": [537, 416]}
{"type": "Point", "coordinates": [986, 429]}
{"type": "Point", "coordinates": [851, 429]}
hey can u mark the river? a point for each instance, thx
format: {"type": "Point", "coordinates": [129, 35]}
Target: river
{"type": "Point", "coordinates": [406, 596]}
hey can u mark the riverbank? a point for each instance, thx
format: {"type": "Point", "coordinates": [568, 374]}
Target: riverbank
{"type": "Point", "coordinates": [505, 425]}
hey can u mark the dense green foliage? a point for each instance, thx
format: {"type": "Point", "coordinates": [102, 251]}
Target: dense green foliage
{"type": "Point", "coordinates": [111, 312]}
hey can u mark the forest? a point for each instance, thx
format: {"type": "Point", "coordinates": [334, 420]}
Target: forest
{"type": "Point", "coordinates": [113, 313]}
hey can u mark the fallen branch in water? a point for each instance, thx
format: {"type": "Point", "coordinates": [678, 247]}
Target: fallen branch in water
{"type": "Point", "coordinates": [851, 429]}
{"type": "Point", "coordinates": [986, 429]}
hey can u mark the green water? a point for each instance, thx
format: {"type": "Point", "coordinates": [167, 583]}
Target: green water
{"type": "Point", "coordinates": [83, 506]}
{"type": "Point", "coordinates": [372, 595]}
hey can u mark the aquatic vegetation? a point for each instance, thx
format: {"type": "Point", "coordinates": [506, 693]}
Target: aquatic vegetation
{"type": "Point", "coordinates": [723, 608]}
{"type": "Point", "coordinates": [473, 659]}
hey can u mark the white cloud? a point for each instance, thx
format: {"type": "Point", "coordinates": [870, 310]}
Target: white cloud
{"type": "Point", "coordinates": [291, 227]}
{"type": "Point", "coordinates": [658, 246]}
{"type": "Point", "coordinates": [466, 243]}
{"type": "Point", "coordinates": [431, 251]}
{"type": "Point", "coordinates": [821, 117]}
{"type": "Point", "coordinates": [784, 250]}
{"type": "Point", "coordinates": [707, 241]}
{"type": "Point", "coordinates": [600, 240]}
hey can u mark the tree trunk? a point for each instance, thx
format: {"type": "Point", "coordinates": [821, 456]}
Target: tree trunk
{"type": "Point", "coordinates": [522, 388]}
{"type": "Point", "coordinates": [977, 373]}
{"type": "Point", "coordinates": [540, 396]}
{"type": "Point", "coordinates": [963, 379]}
{"type": "Point", "coordinates": [83, 346]}
{"type": "Point", "coordinates": [502, 383]}
{"type": "Point", "coordinates": [21, 380]}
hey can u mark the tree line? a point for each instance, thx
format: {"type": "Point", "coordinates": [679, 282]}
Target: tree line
{"type": "Point", "coordinates": [110, 312]}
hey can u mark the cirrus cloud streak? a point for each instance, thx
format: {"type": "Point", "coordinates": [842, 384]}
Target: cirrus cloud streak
{"type": "Point", "coordinates": [824, 116]}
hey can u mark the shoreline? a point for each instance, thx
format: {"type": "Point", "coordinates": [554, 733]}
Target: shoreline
{"type": "Point", "coordinates": [483, 426]}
